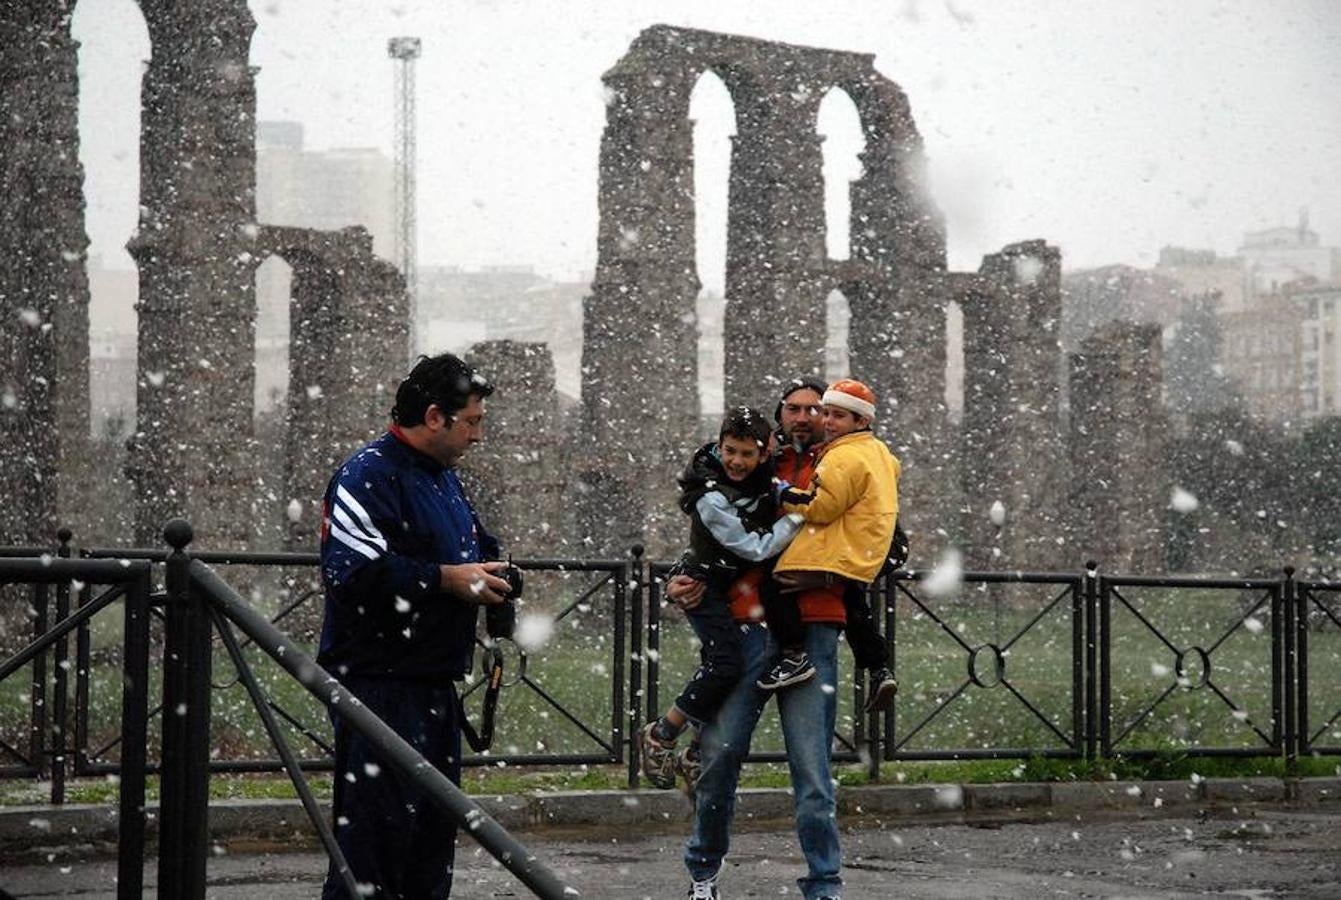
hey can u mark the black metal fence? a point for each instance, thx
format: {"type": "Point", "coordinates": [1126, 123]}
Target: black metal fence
{"type": "Point", "coordinates": [196, 608]}
{"type": "Point", "coordinates": [1003, 666]}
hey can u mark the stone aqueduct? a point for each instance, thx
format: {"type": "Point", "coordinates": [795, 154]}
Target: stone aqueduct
{"type": "Point", "coordinates": [605, 475]}
{"type": "Point", "coordinates": [640, 318]}
{"type": "Point", "coordinates": [197, 247]}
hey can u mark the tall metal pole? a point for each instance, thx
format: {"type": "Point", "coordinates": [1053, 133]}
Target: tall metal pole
{"type": "Point", "coordinates": [405, 50]}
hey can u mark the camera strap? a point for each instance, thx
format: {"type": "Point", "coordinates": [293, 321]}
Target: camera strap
{"type": "Point", "coordinates": [480, 740]}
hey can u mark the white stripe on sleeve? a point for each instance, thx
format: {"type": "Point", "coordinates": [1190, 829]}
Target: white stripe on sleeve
{"type": "Point", "coordinates": [350, 541]}
{"type": "Point", "coordinates": [339, 515]}
{"type": "Point", "coordinates": [364, 520]}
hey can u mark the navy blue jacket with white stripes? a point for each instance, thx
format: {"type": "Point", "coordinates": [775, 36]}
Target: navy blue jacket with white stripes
{"type": "Point", "coordinates": [390, 517]}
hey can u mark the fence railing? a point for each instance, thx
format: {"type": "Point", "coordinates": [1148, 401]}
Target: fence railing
{"type": "Point", "coordinates": [116, 582]}
{"type": "Point", "coordinates": [196, 608]}
{"type": "Point", "coordinates": [1005, 666]}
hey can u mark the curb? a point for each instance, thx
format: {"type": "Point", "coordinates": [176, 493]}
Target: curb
{"type": "Point", "coordinates": [240, 825]}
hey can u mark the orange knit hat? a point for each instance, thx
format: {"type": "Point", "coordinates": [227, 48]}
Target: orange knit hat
{"type": "Point", "coordinates": [851, 395]}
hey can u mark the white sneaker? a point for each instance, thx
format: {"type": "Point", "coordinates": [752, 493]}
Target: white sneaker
{"type": "Point", "coordinates": [704, 890]}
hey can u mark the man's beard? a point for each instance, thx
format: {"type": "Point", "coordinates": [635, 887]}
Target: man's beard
{"type": "Point", "coordinates": [808, 441]}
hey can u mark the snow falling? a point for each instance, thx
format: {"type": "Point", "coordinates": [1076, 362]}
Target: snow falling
{"type": "Point", "coordinates": [1146, 379]}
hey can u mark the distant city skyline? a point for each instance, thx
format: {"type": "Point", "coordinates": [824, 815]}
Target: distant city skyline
{"type": "Point", "coordinates": [1109, 130]}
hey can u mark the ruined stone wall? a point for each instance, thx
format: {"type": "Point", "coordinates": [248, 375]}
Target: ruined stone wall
{"type": "Point", "coordinates": [1117, 447]}
{"type": "Point", "coordinates": [44, 428]}
{"type": "Point", "coordinates": [348, 335]}
{"type": "Point", "coordinates": [1013, 446]}
{"type": "Point", "coordinates": [639, 388]}
{"type": "Point", "coordinates": [197, 248]}
{"type": "Point", "coordinates": [518, 474]}
{"type": "Point", "coordinates": [192, 454]}
{"type": "Point", "coordinates": [639, 362]}
{"type": "Point", "coordinates": [898, 293]}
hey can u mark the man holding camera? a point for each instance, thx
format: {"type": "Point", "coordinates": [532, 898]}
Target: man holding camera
{"type": "Point", "coordinates": [405, 563]}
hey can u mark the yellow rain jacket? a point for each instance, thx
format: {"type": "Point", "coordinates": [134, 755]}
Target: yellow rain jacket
{"type": "Point", "coordinates": [850, 517]}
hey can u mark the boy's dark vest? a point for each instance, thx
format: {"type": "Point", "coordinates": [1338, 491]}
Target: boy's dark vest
{"type": "Point", "coordinates": [753, 499]}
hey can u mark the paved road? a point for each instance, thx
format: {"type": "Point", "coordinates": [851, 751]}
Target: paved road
{"type": "Point", "coordinates": [1273, 853]}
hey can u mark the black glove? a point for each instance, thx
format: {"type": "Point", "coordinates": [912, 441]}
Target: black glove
{"type": "Point", "coordinates": [898, 550]}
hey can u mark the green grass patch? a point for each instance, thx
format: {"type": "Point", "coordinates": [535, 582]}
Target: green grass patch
{"type": "Point", "coordinates": [498, 781]}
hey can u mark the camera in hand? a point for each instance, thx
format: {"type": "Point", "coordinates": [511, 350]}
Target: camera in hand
{"type": "Point", "coordinates": [513, 576]}
{"type": "Point", "coordinates": [500, 619]}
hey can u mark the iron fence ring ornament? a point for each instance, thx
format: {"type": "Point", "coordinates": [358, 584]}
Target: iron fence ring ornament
{"type": "Point", "coordinates": [995, 675]}
{"type": "Point", "coordinates": [1180, 668]}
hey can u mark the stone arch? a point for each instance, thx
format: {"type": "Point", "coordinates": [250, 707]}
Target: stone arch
{"type": "Point", "coordinates": [835, 114]}
{"type": "Point", "coordinates": [111, 80]}
{"type": "Point", "coordinates": [708, 94]}
{"type": "Point", "coordinates": [348, 330]}
{"type": "Point", "coordinates": [193, 249]}
{"type": "Point", "coordinates": [778, 274]}
{"type": "Point", "coordinates": [712, 139]}
{"type": "Point", "coordinates": [954, 361]}
{"type": "Point", "coordinates": [640, 326]}
{"type": "Point", "coordinates": [837, 329]}
{"type": "Point", "coordinates": [197, 247]}
{"type": "Point", "coordinates": [274, 299]}
{"type": "Point", "coordinates": [44, 379]}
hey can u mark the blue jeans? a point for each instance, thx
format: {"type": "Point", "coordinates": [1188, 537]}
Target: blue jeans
{"type": "Point", "coordinates": [393, 836]}
{"type": "Point", "coordinates": [720, 659]}
{"type": "Point", "coordinates": [808, 713]}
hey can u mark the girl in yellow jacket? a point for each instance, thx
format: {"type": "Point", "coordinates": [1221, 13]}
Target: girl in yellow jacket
{"type": "Point", "coordinates": [850, 511]}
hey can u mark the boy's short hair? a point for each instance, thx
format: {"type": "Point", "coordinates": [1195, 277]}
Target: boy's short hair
{"type": "Point", "coordinates": [445, 381]}
{"type": "Point", "coordinates": [745, 423]}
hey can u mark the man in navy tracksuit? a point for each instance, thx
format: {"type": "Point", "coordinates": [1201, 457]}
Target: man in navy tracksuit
{"type": "Point", "coordinates": [403, 560]}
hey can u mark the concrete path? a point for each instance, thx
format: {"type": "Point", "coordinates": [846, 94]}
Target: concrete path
{"type": "Point", "coordinates": [1263, 853]}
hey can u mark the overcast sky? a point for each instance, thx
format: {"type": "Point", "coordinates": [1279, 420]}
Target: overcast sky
{"type": "Point", "coordinates": [1107, 128]}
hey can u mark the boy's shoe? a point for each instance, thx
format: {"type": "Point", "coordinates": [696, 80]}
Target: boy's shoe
{"type": "Point", "coordinates": [882, 691]}
{"type": "Point", "coordinates": [690, 765]}
{"type": "Point", "coordinates": [789, 670]}
{"type": "Point", "coordinates": [658, 759]}
{"type": "Point", "coordinates": [704, 890]}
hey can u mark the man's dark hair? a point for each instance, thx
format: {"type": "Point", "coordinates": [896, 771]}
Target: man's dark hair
{"type": "Point", "coordinates": [799, 383]}
{"type": "Point", "coordinates": [444, 381]}
{"type": "Point", "coordinates": [746, 424]}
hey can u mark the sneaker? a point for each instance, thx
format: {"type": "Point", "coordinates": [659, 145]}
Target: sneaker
{"type": "Point", "coordinates": [689, 763]}
{"type": "Point", "coordinates": [658, 759]}
{"type": "Point", "coordinates": [703, 890]}
{"type": "Point", "coordinates": [789, 670]}
{"type": "Point", "coordinates": [883, 689]}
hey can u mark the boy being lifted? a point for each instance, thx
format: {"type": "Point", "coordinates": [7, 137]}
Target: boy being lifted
{"type": "Point", "coordinates": [727, 491]}
{"type": "Point", "coordinates": [850, 510]}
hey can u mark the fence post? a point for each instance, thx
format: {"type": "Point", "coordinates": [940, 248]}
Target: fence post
{"type": "Point", "coordinates": [637, 651]}
{"type": "Point", "coordinates": [1304, 742]}
{"type": "Point", "coordinates": [184, 809]}
{"type": "Point", "coordinates": [60, 743]}
{"type": "Point", "coordinates": [875, 720]}
{"type": "Point", "coordinates": [40, 709]}
{"type": "Point", "coordinates": [1291, 673]}
{"type": "Point", "coordinates": [134, 740]}
{"type": "Point", "coordinates": [1091, 659]}
{"type": "Point", "coordinates": [889, 720]}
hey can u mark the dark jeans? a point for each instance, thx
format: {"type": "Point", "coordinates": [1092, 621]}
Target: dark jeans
{"type": "Point", "coordinates": [392, 835]}
{"type": "Point", "coordinates": [783, 614]}
{"type": "Point", "coordinates": [808, 714]}
{"type": "Point", "coordinates": [721, 660]}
